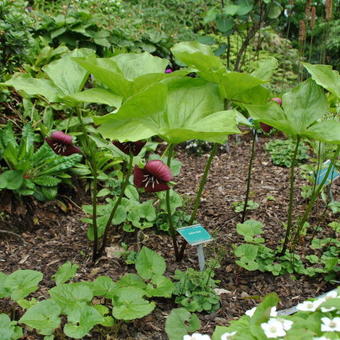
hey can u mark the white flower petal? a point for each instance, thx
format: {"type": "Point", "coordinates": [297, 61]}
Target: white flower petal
{"type": "Point", "coordinates": [273, 311]}
{"type": "Point", "coordinates": [286, 324]}
{"type": "Point", "coordinates": [309, 306]}
{"type": "Point", "coordinates": [251, 312]}
{"type": "Point", "coordinates": [273, 328]}
{"type": "Point", "coordinates": [227, 336]}
{"type": "Point", "coordinates": [330, 325]}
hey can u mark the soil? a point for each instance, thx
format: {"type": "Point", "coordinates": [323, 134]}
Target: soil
{"type": "Point", "coordinates": [59, 236]}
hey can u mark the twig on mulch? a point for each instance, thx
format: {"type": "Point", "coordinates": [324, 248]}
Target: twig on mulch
{"type": "Point", "coordinates": [13, 234]}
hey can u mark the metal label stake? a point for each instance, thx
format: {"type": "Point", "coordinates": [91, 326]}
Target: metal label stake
{"type": "Point", "coordinates": [196, 235]}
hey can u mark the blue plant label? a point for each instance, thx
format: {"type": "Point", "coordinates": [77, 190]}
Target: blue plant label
{"type": "Point", "coordinates": [195, 234]}
{"type": "Point", "coordinates": [332, 176]}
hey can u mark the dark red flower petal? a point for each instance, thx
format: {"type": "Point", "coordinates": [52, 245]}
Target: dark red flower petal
{"type": "Point", "coordinates": [138, 177]}
{"type": "Point", "coordinates": [161, 186]}
{"type": "Point", "coordinates": [159, 170]}
{"type": "Point", "coordinates": [61, 137]}
{"type": "Point", "coordinates": [277, 100]}
{"type": "Point", "coordinates": [61, 144]}
{"type": "Point", "coordinates": [132, 148]}
{"type": "Point", "coordinates": [265, 127]}
{"type": "Point", "coordinates": [70, 150]}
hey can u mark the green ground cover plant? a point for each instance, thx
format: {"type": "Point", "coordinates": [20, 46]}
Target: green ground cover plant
{"type": "Point", "coordinates": [281, 152]}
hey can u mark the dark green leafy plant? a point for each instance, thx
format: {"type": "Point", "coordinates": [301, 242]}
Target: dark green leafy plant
{"type": "Point", "coordinates": [281, 152]}
{"type": "Point", "coordinates": [255, 255]}
{"type": "Point", "coordinates": [239, 206]}
{"type": "Point", "coordinates": [32, 171]}
{"type": "Point", "coordinates": [15, 35]}
{"type": "Point", "coordinates": [195, 290]}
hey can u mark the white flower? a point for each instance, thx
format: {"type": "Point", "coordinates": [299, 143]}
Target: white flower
{"type": "Point", "coordinates": [330, 325]}
{"type": "Point", "coordinates": [251, 312]}
{"type": "Point", "coordinates": [286, 324]}
{"type": "Point", "coordinates": [196, 336]}
{"type": "Point", "coordinates": [321, 338]}
{"type": "Point", "coordinates": [273, 328]}
{"type": "Point", "coordinates": [227, 336]}
{"type": "Point", "coordinates": [273, 311]}
{"type": "Point", "coordinates": [309, 306]}
{"type": "Point", "coordinates": [330, 295]}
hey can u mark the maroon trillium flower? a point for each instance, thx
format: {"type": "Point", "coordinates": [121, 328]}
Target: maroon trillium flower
{"type": "Point", "coordinates": [277, 100]}
{"type": "Point", "coordinates": [61, 143]}
{"type": "Point", "coordinates": [154, 177]}
{"type": "Point", "coordinates": [130, 148]}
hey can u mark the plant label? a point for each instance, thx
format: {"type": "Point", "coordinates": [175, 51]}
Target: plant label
{"type": "Point", "coordinates": [332, 176]}
{"type": "Point", "coordinates": [195, 234]}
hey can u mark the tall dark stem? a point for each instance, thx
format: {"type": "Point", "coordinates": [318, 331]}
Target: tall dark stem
{"type": "Point", "coordinates": [93, 168]}
{"type": "Point", "coordinates": [199, 193]}
{"type": "Point", "coordinates": [114, 209]}
{"type": "Point", "coordinates": [313, 198]}
{"type": "Point", "coordinates": [291, 198]}
{"type": "Point", "coordinates": [168, 207]}
{"type": "Point", "coordinates": [251, 161]}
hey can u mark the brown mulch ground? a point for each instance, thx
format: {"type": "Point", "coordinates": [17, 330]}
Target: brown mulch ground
{"type": "Point", "coordinates": [61, 237]}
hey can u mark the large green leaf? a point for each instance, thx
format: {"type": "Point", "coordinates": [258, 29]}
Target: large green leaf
{"type": "Point", "coordinates": [178, 110]}
{"type": "Point", "coordinates": [22, 282]}
{"type": "Point", "coordinates": [65, 272]}
{"type": "Point", "coordinates": [149, 263]}
{"type": "Point", "coordinates": [103, 286]}
{"type": "Point", "coordinates": [160, 286]}
{"type": "Point", "coordinates": [129, 304]}
{"type": "Point", "coordinates": [68, 76]}
{"type": "Point", "coordinates": [327, 131]}
{"type": "Point", "coordinates": [232, 84]}
{"type": "Point", "coordinates": [71, 298]}
{"type": "Point", "coordinates": [180, 322]}
{"type": "Point", "coordinates": [133, 65]}
{"type": "Point", "coordinates": [35, 87]}
{"type": "Point", "coordinates": [325, 77]}
{"type": "Point", "coordinates": [88, 318]}
{"type": "Point", "coordinates": [106, 71]}
{"type": "Point", "coordinates": [303, 107]}
{"type": "Point", "coordinates": [265, 68]}
{"type": "Point", "coordinates": [125, 73]}
{"type": "Point", "coordinates": [43, 316]}
{"type": "Point", "coordinates": [200, 57]}
{"type": "Point", "coordinates": [97, 95]}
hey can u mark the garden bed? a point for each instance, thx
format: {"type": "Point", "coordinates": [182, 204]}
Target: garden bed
{"type": "Point", "coordinates": [60, 236]}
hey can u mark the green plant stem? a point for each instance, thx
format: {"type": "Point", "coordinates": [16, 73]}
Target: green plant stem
{"type": "Point", "coordinates": [251, 161]}
{"type": "Point", "coordinates": [317, 168]}
{"type": "Point", "coordinates": [291, 198]}
{"type": "Point", "coordinates": [313, 198]}
{"type": "Point", "coordinates": [199, 193]}
{"type": "Point", "coordinates": [114, 209]}
{"type": "Point", "coordinates": [93, 168]}
{"type": "Point", "coordinates": [172, 230]}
